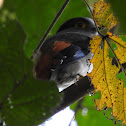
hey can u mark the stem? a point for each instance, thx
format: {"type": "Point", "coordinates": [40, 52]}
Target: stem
{"type": "Point", "coordinates": [49, 29]}
{"type": "Point", "coordinates": [93, 19]}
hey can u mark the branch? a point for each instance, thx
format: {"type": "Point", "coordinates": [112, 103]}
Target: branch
{"type": "Point", "coordinates": [74, 92]}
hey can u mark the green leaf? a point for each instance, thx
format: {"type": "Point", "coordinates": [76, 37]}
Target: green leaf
{"type": "Point", "coordinates": [122, 77]}
{"type": "Point", "coordinates": [123, 37]}
{"type": "Point", "coordinates": [114, 47]}
{"type": "Point", "coordinates": [24, 101]}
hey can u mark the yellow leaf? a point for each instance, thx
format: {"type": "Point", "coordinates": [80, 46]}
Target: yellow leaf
{"type": "Point", "coordinates": [103, 76]}
{"type": "Point", "coordinates": [103, 15]}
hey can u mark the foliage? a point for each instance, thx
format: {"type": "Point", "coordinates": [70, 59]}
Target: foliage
{"type": "Point", "coordinates": [22, 24]}
{"type": "Point", "coordinates": [20, 94]}
{"type": "Point", "coordinates": [103, 15]}
{"type": "Point", "coordinates": [105, 68]}
{"type": "Point", "coordinates": [104, 79]}
{"type": "Point", "coordinates": [35, 17]}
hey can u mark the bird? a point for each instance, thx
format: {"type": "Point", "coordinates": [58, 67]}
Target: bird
{"type": "Point", "coordinates": [65, 56]}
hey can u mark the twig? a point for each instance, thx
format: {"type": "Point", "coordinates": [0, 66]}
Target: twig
{"type": "Point", "coordinates": [74, 93]}
{"type": "Point", "coordinates": [93, 18]}
{"type": "Point", "coordinates": [49, 29]}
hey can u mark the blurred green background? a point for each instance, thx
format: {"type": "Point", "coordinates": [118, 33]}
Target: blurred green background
{"type": "Point", "coordinates": [33, 18]}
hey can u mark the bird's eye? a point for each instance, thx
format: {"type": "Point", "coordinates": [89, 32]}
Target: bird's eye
{"type": "Point", "coordinates": [80, 25]}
